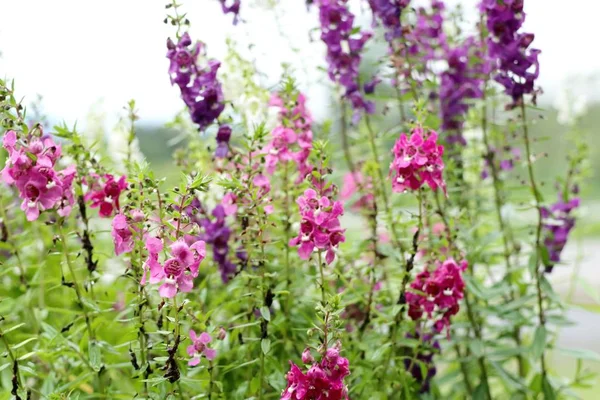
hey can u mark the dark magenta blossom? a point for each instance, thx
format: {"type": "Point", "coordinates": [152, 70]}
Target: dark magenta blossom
{"type": "Point", "coordinates": [104, 192]}
{"type": "Point", "coordinates": [343, 51]}
{"type": "Point", "coordinates": [515, 64]}
{"type": "Point", "coordinates": [557, 224]}
{"type": "Point", "coordinates": [436, 294]}
{"type": "Point", "coordinates": [322, 381]}
{"type": "Point", "coordinates": [200, 89]}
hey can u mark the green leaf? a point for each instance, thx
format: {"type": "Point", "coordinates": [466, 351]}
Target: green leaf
{"type": "Point", "coordinates": [265, 312]}
{"type": "Point", "coordinates": [23, 343]}
{"type": "Point", "coordinates": [13, 328]}
{"type": "Point", "coordinates": [95, 356]}
{"type": "Point", "coordinates": [581, 354]}
{"type": "Point", "coordinates": [539, 342]}
{"type": "Point", "coordinates": [548, 390]}
{"type": "Point", "coordinates": [265, 345]}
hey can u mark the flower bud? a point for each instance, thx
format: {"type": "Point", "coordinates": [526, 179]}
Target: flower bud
{"type": "Point", "coordinates": [307, 357]}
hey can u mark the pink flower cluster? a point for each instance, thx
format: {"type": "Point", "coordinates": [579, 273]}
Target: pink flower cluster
{"type": "Point", "coordinates": [437, 294]}
{"type": "Point", "coordinates": [199, 348]}
{"type": "Point", "coordinates": [417, 160]}
{"type": "Point", "coordinates": [178, 271]}
{"type": "Point", "coordinates": [320, 226]}
{"type": "Point", "coordinates": [294, 128]}
{"type": "Point", "coordinates": [31, 167]}
{"type": "Point", "coordinates": [322, 381]}
{"type": "Point", "coordinates": [104, 192]}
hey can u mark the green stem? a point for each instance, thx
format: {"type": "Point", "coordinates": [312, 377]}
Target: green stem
{"type": "Point", "coordinates": [382, 189]}
{"type": "Point", "coordinates": [65, 248]}
{"type": "Point", "coordinates": [323, 302]}
{"type": "Point", "coordinates": [11, 355]}
{"type": "Point", "coordinates": [538, 234]}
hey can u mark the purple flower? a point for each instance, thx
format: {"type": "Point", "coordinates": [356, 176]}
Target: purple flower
{"type": "Point", "coordinates": [425, 353]}
{"type": "Point", "coordinates": [200, 89]}
{"type": "Point", "coordinates": [343, 51]}
{"type": "Point", "coordinates": [233, 8]}
{"type": "Point", "coordinates": [216, 233]}
{"type": "Point", "coordinates": [460, 83]}
{"type": "Point", "coordinates": [557, 224]}
{"type": "Point", "coordinates": [389, 12]}
{"type": "Point", "coordinates": [516, 64]}
{"type": "Point", "coordinates": [223, 136]}
{"type": "Point", "coordinates": [427, 38]}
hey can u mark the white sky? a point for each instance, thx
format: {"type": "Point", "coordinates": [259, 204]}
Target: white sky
{"type": "Point", "coordinates": [77, 52]}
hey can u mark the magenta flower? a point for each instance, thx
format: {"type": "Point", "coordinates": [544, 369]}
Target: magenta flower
{"type": "Point", "coordinates": [177, 272]}
{"type": "Point", "coordinates": [322, 381]}
{"type": "Point", "coordinates": [104, 193]}
{"type": "Point", "coordinates": [122, 234]}
{"type": "Point", "coordinates": [320, 226]}
{"type": "Point", "coordinates": [199, 348]}
{"type": "Point", "coordinates": [417, 160]}
{"type": "Point", "coordinates": [31, 168]}
{"type": "Point", "coordinates": [436, 294]}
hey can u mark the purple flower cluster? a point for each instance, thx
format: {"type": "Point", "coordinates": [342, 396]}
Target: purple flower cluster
{"type": "Point", "coordinates": [516, 63]}
{"type": "Point", "coordinates": [343, 51]}
{"type": "Point", "coordinates": [424, 356]}
{"type": "Point", "coordinates": [558, 223]}
{"type": "Point", "coordinates": [389, 12]}
{"type": "Point", "coordinates": [216, 233]}
{"type": "Point", "coordinates": [427, 38]}
{"type": "Point", "coordinates": [461, 82]}
{"type": "Point", "coordinates": [233, 8]}
{"type": "Point", "coordinates": [200, 89]}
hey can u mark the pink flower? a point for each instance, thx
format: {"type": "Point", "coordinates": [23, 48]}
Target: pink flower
{"type": "Point", "coordinates": [177, 272]}
{"type": "Point", "coordinates": [122, 234]}
{"type": "Point", "coordinates": [417, 160]}
{"type": "Point", "coordinates": [104, 193]}
{"type": "Point", "coordinates": [31, 168]}
{"type": "Point", "coordinates": [437, 295]}
{"type": "Point", "coordinates": [320, 227]}
{"type": "Point", "coordinates": [199, 348]}
{"type": "Point", "coordinates": [292, 137]}
{"type": "Point", "coordinates": [229, 203]}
